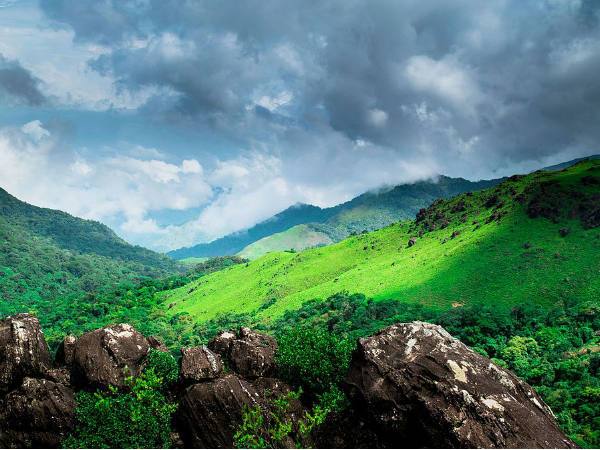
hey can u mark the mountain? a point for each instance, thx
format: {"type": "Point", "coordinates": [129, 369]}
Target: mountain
{"type": "Point", "coordinates": [46, 253]}
{"type": "Point", "coordinates": [369, 211]}
{"type": "Point", "coordinates": [566, 164]}
{"type": "Point", "coordinates": [235, 242]}
{"type": "Point", "coordinates": [505, 242]}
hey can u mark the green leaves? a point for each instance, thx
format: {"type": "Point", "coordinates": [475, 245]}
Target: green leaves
{"type": "Point", "coordinates": [138, 417]}
{"type": "Point", "coordinates": [313, 358]}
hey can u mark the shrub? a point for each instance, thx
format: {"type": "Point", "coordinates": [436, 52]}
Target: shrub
{"type": "Point", "coordinates": [164, 366]}
{"type": "Point", "coordinates": [313, 358]}
{"type": "Point", "coordinates": [274, 426]}
{"type": "Point", "coordinates": [137, 418]}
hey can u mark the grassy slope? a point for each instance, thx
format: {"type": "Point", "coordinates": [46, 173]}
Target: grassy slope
{"type": "Point", "coordinates": [486, 262]}
{"type": "Point", "coordinates": [299, 238]}
{"type": "Point", "coordinates": [369, 211]}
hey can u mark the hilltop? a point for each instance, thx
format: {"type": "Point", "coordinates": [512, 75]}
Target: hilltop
{"type": "Point", "coordinates": [532, 238]}
{"type": "Point", "coordinates": [322, 226]}
{"type": "Point", "coordinates": [45, 253]}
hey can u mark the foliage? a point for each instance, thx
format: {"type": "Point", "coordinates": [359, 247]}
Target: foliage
{"type": "Point", "coordinates": [309, 226]}
{"type": "Point", "coordinates": [164, 366]}
{"type": "Point", "coordinates": [312, 358]}
{"type": "Point", "coordinates": [556, 350]}
{"type": "Point", "coordinates": [273, 426]}
{"type": "Point", "coordinates": [218, 263]}
{"type": "Point", "coordinates": [137, 418]}
{"type": "Point", "coordinates": [485, 262]}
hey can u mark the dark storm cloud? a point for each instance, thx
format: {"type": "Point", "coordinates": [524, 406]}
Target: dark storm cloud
{"type": "Point", "coordinates": [489, 84]}
{"type": "Point", "coordinates": [17, 85]}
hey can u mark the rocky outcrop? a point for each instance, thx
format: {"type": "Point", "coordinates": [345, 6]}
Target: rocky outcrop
{"type": "Point", "coordinates": [420, 387]}
{"type": "Point", "coordinates": [409, 385]}
{"type": "Point", "coordinates": [39, 414]}
{"type": "Point", "coordinates": [208, 412]}
{"type": "Point", "coordinates": [23, 350]}
{"type": "Point", "coordinates": [199, 364]}
{"type": "Point", "coordinates": [107, 356]}
{"type": "Point", "coordinates": [37, 408]}
{"type": "Point", "coordinates": [248, 353]}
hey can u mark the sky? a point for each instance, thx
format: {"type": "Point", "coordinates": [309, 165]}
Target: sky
{"type": "Point", "coordinates": [179, 121]}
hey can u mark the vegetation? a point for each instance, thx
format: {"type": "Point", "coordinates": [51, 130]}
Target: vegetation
{"type": "Point", "coordinates": [369, 211]}
{"type": "Point", "coordinates": [511, 271]}
{"type": "Point", "coordinates": [138, 417]}
{"type": "Point", "coordinates": [481, 247]}
{"type": "Point", "coordinates": [556, 350]}
{"type": "Point", "coordinates": [275, 425]}
{"type": "Point", "coordinates": [313, 358]}
{"type": "Point", "coordinates": [46, 255]}
{"type": "Point", "coordinates": [299, 238]}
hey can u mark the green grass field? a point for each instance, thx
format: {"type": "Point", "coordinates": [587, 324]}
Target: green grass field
{"type": "Point", "coordinates": [298, 238]}
{"type": "Point", "coordinates": [508, 260]}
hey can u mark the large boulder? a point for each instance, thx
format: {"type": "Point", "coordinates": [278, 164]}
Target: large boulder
{"type": "Point", "coordinates": [23, 350]}
{"type": "Point", "coordinates": [39, 414]}
{"type": "Point", "coordinates": [420, 387]}
{"type": "Point", "coordinates": [249, 353]}
{"type": "Point", "coordinates": [107, 356]}
{"type": "Point", "coordinates": [209, 413]}
{"type": "Point", "coordinates": [198, 364]}
{"type": "Point", "coordinates": [65, 353]}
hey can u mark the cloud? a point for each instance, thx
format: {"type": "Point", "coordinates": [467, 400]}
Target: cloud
{"type": "Point", "coordinates": [499, 76]}
{"type": "Point", "coordinates": [302, 101]}
{"type": "Point", "coordinates": [17, 85]}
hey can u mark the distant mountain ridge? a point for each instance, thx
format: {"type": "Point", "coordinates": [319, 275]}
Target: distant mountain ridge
{"type": "Point", "coordinates": [368, 211]}
{"type": "Point", "coordinates": [45, 254]}
{"type": "Point", "coordinates": [75, 234]}
{"type": "Point", "coordinates": [566, 164]}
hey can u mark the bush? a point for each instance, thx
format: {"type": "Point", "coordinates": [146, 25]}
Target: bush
{"type": "Point", "coordinates": [137, 418]}
{"type": "Point", "coordinates": [274, 426]}
{"type": "Point", "coordinates": [313, 358]}
{"type": "Point", "coordinates": [164, 366]}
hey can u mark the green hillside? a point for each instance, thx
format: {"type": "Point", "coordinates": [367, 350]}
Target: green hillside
{"type": "Point", "coordinates": [46, 253]}
{"type": "Point", "coordinates": [367, 212]}
{"type": "Point", "coordinates": [297, 238]}
{"type": "Point", "coordinates": [502, 246]}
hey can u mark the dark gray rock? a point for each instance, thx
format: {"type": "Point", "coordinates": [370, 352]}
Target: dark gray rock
{"type": "Point", "coordinates": [108, 355]}
{"type": "Point", "coordinates": [249, 353]}
{"type": "Point", "coordinates": [23, 350]}
{"type": "Point", "coordinates": [418, 386]}
{"type": "Point", "coordinates": [39, 414]}
{"type": "Point", "coordinates": [198, 364]}
{"type": "Point", "coordinates": [209, 413]}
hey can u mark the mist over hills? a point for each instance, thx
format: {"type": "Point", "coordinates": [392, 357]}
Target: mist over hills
{"type": "Point", "coordinates": [368, 211]}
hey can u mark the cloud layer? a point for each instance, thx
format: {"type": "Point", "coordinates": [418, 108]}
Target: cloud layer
{"type": "Point", "coordinates": [317, 101]}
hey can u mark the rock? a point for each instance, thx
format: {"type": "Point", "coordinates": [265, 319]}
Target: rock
{"type": "Point", "coordinates": [253, 354]}
{"type": "Point", "coordinates": [108, 355]}
{"type": "Point", "coordinates": [221, 342]}
{"type": "Point", "coordinates": [420, 387]}
{"type": "Point", "coordinates": [346, 429]}
{"type": "Point", "coordinates": [198, 364]}
{"type": "Point", "coordinates": [459, 207]}
{"type": "Point", "coordinates": [527, 245]}
{"type": "Point", "coordinates": [66, 351]}
{"type": "Point", "coordinates": [455, 233]}
{"type": "Point", "coordinates": [23, 350]}
{"type": "Point", "coordinates": [210, 412]}
{"type": "Point", "coordinates": [412, 241]}
{"type": "Point", "coordinates": [248, 353]}
{"type": "Point", "coordinates": [157, 344]}
{"type": "Point", "coordinates": [564, 231]}
{"type": "Point", "coordinates": [39, 414]}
